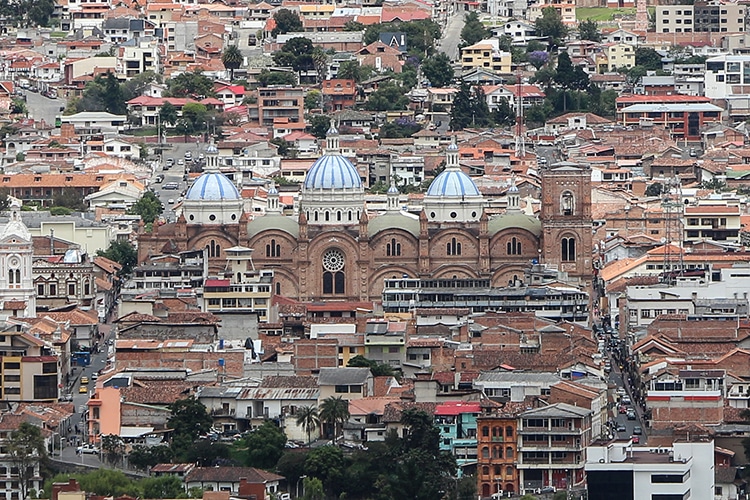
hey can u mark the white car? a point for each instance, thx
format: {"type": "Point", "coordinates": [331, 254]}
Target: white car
{"type": "Point", "coordinates": [87, 449]}
{"type": "Point", "coordinates": [171, 201]}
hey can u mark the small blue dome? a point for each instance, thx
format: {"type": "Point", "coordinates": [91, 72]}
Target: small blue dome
{"type": "Point", "coordinates": [453, 182]}
{"type": "Point", "coordinates": [332, 172]}
{"type": "Point", "coordinates": [393, 190]}
{"type": "Point", "coordinates": [212, 186]}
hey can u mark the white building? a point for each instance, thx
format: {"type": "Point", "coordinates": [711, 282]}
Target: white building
{"type": "Point", "coordinates": [728, 78]}
{"type": "Point", "coordinates": [16, 252]}
{"type": "Point", "coordinates": [684, 470]}
{"type": "Point", "coordinates": [121, 193]}
{"type": "Point", "coordinates": [96, 122]}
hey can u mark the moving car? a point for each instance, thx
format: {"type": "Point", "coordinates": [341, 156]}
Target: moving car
{"type": "Point", "coordinates": [170, 201]}
{"type": "Point", "coordinates": [84, 389]}
{"type": "Point", "coordinates": [637, 430]}
{"type": "Point", "coordinates": [625, 400]}
{"type": "Point", "coordinates": [84, 380]}
{"type": "Point", "coordinates": [635, 439]}
{"type": "Point", "coordinates": [631, 414]}
{"type": "Point", "coordinates": [621, 428]}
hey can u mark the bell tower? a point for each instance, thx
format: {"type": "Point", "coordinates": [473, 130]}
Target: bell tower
{"type": "Point", "coordinates": [567, 240]}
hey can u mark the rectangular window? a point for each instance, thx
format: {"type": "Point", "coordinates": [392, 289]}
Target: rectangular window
{"type": "Point", "coordinates": [667, 478]}
{"type": "Point", "coordinates": [342, 389]}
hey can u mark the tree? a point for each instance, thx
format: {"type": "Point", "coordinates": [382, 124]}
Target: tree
{"type": "Point", "coordinates": [71, 198]}
{"type": "Point", "coordinates": [353, 26]}
{"type": "Point", "coordinates": [352, 70]}
{"type": "Point", "coordinates": [112, 448]}
{"type": "Point", "coordinates": [287, 21]}
{"type": "Point", "coordinates": [313, 488]}
{"type": "Point", "coordinates": [285, 149]}
{"type": "Point", "coordinates": [205, 453]}
{"type": "Point", "coordinates": [196, 114]}
{"type": "Point", "coordinates": [319, 125]}
{"type": "Point", "coordinates": [470, 108]}
{"type": "Point", "coordinates": [168, 113]}
{"type": "Point", "coordinates": [334, 411]}
{"type": "Point", "coordinates": [377, 369]}
{"type": "Point", "coordinates": [265, 445]}
{"type": "Point", "coordinates": [25, 449]}
{"type": "Point", "coordinates": [589, 30]}
{"type": "Point", "coordinates": [400, 128]}
{"type": "Point", "coordinates": [438, 70]}
{"type": "Point", "coordinates": [149, 207]}
{"type": "Point", "coordinates": [313, 99]}
{"type": "Point", "coordinates": [564, 75]}
{"type": "Point", "coordinates": [550, 25]}
{"type": "Point", "coordinates": [232, 59]}
{"type": "Point", "coordinates": [189, 417]}
{"type": "Point", "coordinates": [142, 457]}
{"type": "Point", "coordinates": [162, 487]}
{"type": "Point", "coordinates": [267, 78]}
{"type": "Point", "coordinates": [648, 58]}
{"type": "Point", "coordinates": [122, 252]}
{"type": "Point", "coordinates": [655, 189]}
{"type": "Point", "coordinates": [190, 84]}
{"type": "Point", "coordinates": [134, 87]}
{"type": "Point", "coordinates": [388, 97]}
{"type": "Point", "coordinates": [307, 418]}
{"type": "Point", "coordinates": [473, 31]}
{"type": "Point", "coordinates": [40, 12]}
{"type": "Point", "coordinates": [538, 58]}
{"type": "Point", "coordinates": [328, 464]}
{"type": "Point", "coordinates": [113, 100]}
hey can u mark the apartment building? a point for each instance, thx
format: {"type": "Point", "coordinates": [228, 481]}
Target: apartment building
{"type": "Point", "coordinates": [617, 470]}
{"type": "Point", "coordinates": [457, 422]}
{"type": "Point", "coordinates": [715, 220]}
{"type": "Point", "coordinates": [497, 441]}
{"type": "Point", "coordinates": [691, 397]}
{"type": "Point", "coordinates": [552, 443]}
{"type": "Point", "coordinates": [684, 116]}
{"type": "Point", "coordinates": [486, 54]}
{"type": "Point", "coordinates": [674, 19]}
{"type": "Point", "coordinates": [30, 367]}
{"type": "Point", "coordinates": [181, 270]}
{"type": "Point", "coordinates": [279, 102]}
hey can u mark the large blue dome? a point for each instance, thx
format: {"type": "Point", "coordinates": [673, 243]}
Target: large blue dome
{"type": "Point", "coordinates": [332, 172]}
{"type": "Point", "coordinates": [453, 182]}
{"type": "Point", "coordinates": [212, 186]}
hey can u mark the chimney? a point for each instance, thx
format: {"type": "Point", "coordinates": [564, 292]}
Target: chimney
{"type": "Point", "coordinates": [245, 489]}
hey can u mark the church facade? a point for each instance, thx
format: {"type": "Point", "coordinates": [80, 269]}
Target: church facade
{"type": "Point", "coordinates": [333, 248]}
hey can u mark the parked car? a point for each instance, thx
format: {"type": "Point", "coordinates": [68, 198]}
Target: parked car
{"type": "Point", "coordinates": [625, 400]}
{"type": "Point", "coordinates": [87, 449]}
{"type": "Point", "coordinates": [621, 392]}
{"type": "Point", "coordinates": [84, 389]}
{"type": "Point", "coordinates": [635, 439]}
{"type": "Point", "coordinates": [622, 409]}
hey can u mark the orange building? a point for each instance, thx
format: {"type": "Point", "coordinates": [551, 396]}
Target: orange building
{"type": "Point", "coordinates": [497, 451]}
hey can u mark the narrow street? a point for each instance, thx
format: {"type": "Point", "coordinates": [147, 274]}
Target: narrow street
{"type": "Point", "coordinates": [43, 108]}
{"type": "Point", "coordinates": [452, 34]}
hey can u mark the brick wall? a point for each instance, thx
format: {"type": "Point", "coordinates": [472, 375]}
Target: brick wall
{"type": "Point", "coordinates": [193, 360]}
{"type": "Point", "coordinates": [312, 355]}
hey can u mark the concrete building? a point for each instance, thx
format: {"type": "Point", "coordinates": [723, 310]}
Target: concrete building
{"type": "Point", "coordinates": [674, 19]}
{"type": "Point", "coordinates": [714, 220]}
{"type": "Point", "coordinates": [279, 102]}
{"type": "Point", "coordinates": [457, 422]}
{"type": "Point", "coordinates": [617, 470]}
{"type": "Point", "coordinates": [719, 17]}
{"type": "Point", "coordinates": [486, 54]}
{"type": "Point", "coordinates": [552, 443]}
{"type": "Point", "coordinates": [690, 397]}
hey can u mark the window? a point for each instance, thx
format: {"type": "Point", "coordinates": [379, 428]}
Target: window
{"type": "Point", "coordinates": [568, 249]}
{"type": "Point", "coordinates": [341, 389]}
{"type": "Point", "coordinates": [333, 272]}
{"type": "Point", "coordinates": [509, 431]}
{"type": "Point", "coordinates": [453, 247]}
{"type": "Point", "coordinates": [486, 453]}
{"type": "Point", "coordinates": [71, 288]}
{"type": "Point", "coordinates": [567, 203]}
{"type": "Point", "coordinates": [514, 246]}
{"type": "Point", "coordinates": [213, 249]}
{"type": "Point", "coordinates": [273, 249]}
{"type": "Point", "coordinates": [485, 431]}
{"type": "Point", "coordinates": [393, 248]}
{"type": "Point", "coordinates": [508, 452]}
{"type": "Point", "coordinates": [40, 289]}
{"type": "Point", "coordinates": [53, 289]}
{"type": "Point", "coordinates": [668, 478]}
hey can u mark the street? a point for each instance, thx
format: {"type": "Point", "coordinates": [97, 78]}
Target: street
{"type": "Point", "coordinates": [452, 35]}
{"type": "Point", "coordinates": [174, 174]}
{"type": "Point", "coordinates": [42, 108]}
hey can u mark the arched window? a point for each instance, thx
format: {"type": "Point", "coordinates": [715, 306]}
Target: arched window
{"type": "Point", "coordinates": [486, 454]}
{"type": "Point", "coordinates": [338, 216]}
{"type": "Point", "coordinates": [393, 248]}
{"type": "Point", "coordinates": [485, 431]}
{"type": "Point", "coordinates": [497, 452]}
{"type": "Point", "coordinates": [316, 217]}
{"type": "Point", "coordinates": [333, 272]}
{"type": "Point", "coordinates": [567, 203]}
{"type": "Point", "coordinates": [350, 215]}
{"type": "Point", "coordinates": [485, 471]}
{"type": "Point", "coordinates": [273, 249]}
{"type": "Point", "coordinates": [86, 288]}
{"type": "Point", "coordinates": [509, 471]}
{"type": "Point", "coordinates": [568, 249]}
{"type": "Point", "coordinates": [11, 276]}
{"type": "Point", "coordinates": [497, 432]}
{"type": "Point", "coordinates": [278, 288]}
{"type": "Point", "coordinates": [508, 452]}
{"type": "Point", "coordinates": [453, 247]}
{"type": "Point", "coordinates": [72, 288]}
{"type": "Point", "coordinates": [239, 277]}
{"type": "Point", "coordinates": [498, 470]}
{"type": "Point", "coordinates": [328, 217]}
{"type": "Point", "coordinates": [514, 246]}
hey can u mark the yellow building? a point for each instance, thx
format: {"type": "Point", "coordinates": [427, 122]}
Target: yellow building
{"type": "Point", "coordinates": [618, 55]}
{"type": "Point", "coordinates": [241, 289]}
{"type": "Point", "coordinates": [316, 11]}
{"type": "Point", "coordinates": [486, 54]}
{"type": "Point", "coordinates": [29, 368]}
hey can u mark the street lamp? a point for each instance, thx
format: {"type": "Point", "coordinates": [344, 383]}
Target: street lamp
{"type": "Point", "coordinates": [303, 485]}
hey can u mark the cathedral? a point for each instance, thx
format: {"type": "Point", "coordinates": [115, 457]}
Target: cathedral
{"type": "Point", "coordinates": [333, 248]}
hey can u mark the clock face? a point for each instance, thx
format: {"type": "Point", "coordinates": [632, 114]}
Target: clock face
{"type": "Point", "coordinates": [14, 262]}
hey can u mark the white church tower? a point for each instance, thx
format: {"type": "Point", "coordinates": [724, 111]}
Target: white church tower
{"type": "Point", "coordinates": [16, 254]}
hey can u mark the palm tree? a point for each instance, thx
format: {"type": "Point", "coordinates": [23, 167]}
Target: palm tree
{"type": "Point", "coordinates": [307, 418]}
{"type": "Point", "coordinates": [334, 411]}
{"type": "Point", "coordinates": [232, 59]}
